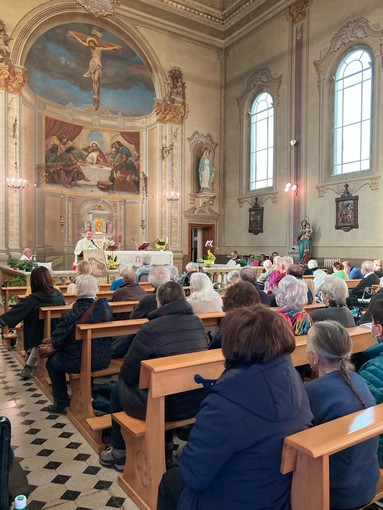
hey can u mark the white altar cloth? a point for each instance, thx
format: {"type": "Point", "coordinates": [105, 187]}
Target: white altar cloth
{"type": "Point", "coordinates": [133, 258]}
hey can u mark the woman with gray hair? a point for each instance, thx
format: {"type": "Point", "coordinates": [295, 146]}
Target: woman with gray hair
{"type": "Point", "coordinates": [334, 293]}
{"type": "Point", "coordinates": [203, 297]}
{"type": "Point", "coordinates": [67, 359]}
{"type": "Point", "coordinates": [339, 391]}
{"type": "Point", "coordinates": [291, 296]}
{"type": "Point", "coordinates": [83, 267]}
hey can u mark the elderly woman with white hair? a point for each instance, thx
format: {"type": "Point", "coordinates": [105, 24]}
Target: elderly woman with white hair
{"type": "Point", "coordinates": [203, 297]}
{"type": "Point", "coordinates": [334, 293]}
{"type": "Point", "coordinates": [291, 296]}
{"type": "Point", "coordinates": [67, 359]}
{"type": "Point", "coordinates": [267, 270]}
{"type": "Point", "coordinates": [83, 267]}
{"type": "Point", "coordinates": [312, 266]}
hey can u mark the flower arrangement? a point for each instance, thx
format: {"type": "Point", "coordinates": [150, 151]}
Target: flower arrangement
{"type": "Point", "coordinates": [209, 258]}
{"type": "Point", "coordinates": [112, 261]}
{"type": "Point", "coordinates": [110, 245]}
{"type": "Point", "coordinates": [161, 244]}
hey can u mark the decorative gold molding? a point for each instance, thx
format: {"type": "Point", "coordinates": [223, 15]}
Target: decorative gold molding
{"type": "Point", "coordinates": [12, 79]}
{"type": "Point", "coordinates": [355, 185]}
{"type": "Point", "coordinates": [297, 11]}
{"type": "Point", "coordinates": [170, 113]}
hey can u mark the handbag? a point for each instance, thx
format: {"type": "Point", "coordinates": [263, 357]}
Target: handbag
{"type": "Point", "coordinates": [46, 349]}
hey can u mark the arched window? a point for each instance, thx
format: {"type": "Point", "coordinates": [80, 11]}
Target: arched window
{"type": "Point", "coordinates": [353, 113]}
{"type": "Point", "coordinates": [262, 142]}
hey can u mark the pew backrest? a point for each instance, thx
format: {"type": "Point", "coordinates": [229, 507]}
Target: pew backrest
{"type": "Point", "coordinates": [307, 453]}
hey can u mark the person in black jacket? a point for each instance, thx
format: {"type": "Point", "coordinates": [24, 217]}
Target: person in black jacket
{"type": "Point", "coordinates": [27, 310]}
{"type": "Point", "coordinates": [247, 274]}
{"type": "Point", "coordinates": [157, 276]}
{"type": "Point", "coordinates": [68, 357]}
{"type": "Point", "coordinates": [369, 279]}
{"type": "Point", "coordinates": [172, 329]}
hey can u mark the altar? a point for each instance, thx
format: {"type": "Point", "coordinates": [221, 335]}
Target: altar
{"type": "Point", "coordinates": [134, 258]}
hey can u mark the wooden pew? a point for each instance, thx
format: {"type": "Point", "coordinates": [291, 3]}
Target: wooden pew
{"type": "Point", "coordinates": [351, 284]}
{"type": "Point", "coordinates": [306, 454]}
{"type": "Point", "coordinates": [47, 313]}
{"type": "Point", "coordinates": [145, 440]}
{"type": "Point", "coordinates": [80, 409]}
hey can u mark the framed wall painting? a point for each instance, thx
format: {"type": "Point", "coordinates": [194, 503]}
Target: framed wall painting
{"type": "Point", "coordinates": [256, 218]}
{"type": "Point", "coordinates": [346, 211]}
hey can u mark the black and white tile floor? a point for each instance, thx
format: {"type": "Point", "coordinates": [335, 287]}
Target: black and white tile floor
{"type": "Point", "coordinates": [63, 470]}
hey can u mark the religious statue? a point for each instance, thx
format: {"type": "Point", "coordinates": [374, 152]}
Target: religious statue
{"type": "Point", "coordinates": [205, 171]}
{"type": "Point", "coordinates": [304, 238]}
{"type": "Point", "coordinates": [96, 47]}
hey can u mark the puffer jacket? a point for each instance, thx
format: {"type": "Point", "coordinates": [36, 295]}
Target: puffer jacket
{"type": "Point", "coordinates": [372, 373]}
{"type": "Point", "coordinates": [63, 335]}
{"type": "Point", "coordinates": [233, 456]}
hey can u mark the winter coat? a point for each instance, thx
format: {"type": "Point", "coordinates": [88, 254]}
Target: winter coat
{"type": "Point", "coordinates": [340, 314]}
{"type": "Point", "coordinates": [172, 329]}
{"type": "Point", "coordinates": [63, 335]}
{"type": "Point", "coordinates": [27, 310]}
{"type": "Point", "coordinates": [233, 456]}
{"type": "Point", "coordinates": [372, 373]}
{"type": "Point", "coordinates": [146, 305]}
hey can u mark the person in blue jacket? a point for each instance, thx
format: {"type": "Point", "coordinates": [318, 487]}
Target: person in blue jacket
{"type": "Point", "coordinates": [232, 459]}
{"type": "Point", "coordinates": [338, 391]}
{"type": "Point", "coordinates": [372, 370]}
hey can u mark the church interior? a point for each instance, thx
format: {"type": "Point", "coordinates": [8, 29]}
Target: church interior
{"type": "Point", "coordinates": [193, 71]}
{"type": "Point", "coordinates": [179, 122]}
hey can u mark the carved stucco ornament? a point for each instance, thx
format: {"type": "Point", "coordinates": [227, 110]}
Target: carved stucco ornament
{"type": "Point", "coordinates": [263, 80]}
{"type": "Point", "coordinates": [261, 199]}
{"type": "Point", "coordinates": [172, 108]}
{"type": "Point", "coordinates": [170, 113]}
{"type": "Point", "coordinates": [297, 11]}
{"type": "Point", "coordinates": [11, 79]}
{"type": "Point", "coordinates": [354, 186]}
{"type": "Point", "coordinates": [351, 31]}
{"type": "Point", "coordinates": [100, 8]}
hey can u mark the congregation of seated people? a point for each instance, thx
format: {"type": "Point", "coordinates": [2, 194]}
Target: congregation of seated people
{"type": "Point", "coordinates": [224, 463]}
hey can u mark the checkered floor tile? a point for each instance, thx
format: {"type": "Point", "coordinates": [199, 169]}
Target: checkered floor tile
{"type": "Point", "coordinates": [63, 470]}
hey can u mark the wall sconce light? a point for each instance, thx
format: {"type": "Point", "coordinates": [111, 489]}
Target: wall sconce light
{"type": "Point", "coordinates": [291, 186]}
{"type": "Point", "coordinates": [62, 221]}
{"type": "Point", "coordinates": [293, 143]}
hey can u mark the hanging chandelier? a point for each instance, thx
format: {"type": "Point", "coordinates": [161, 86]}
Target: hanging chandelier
{"type": "Point", "coordinates": [15, 183]}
